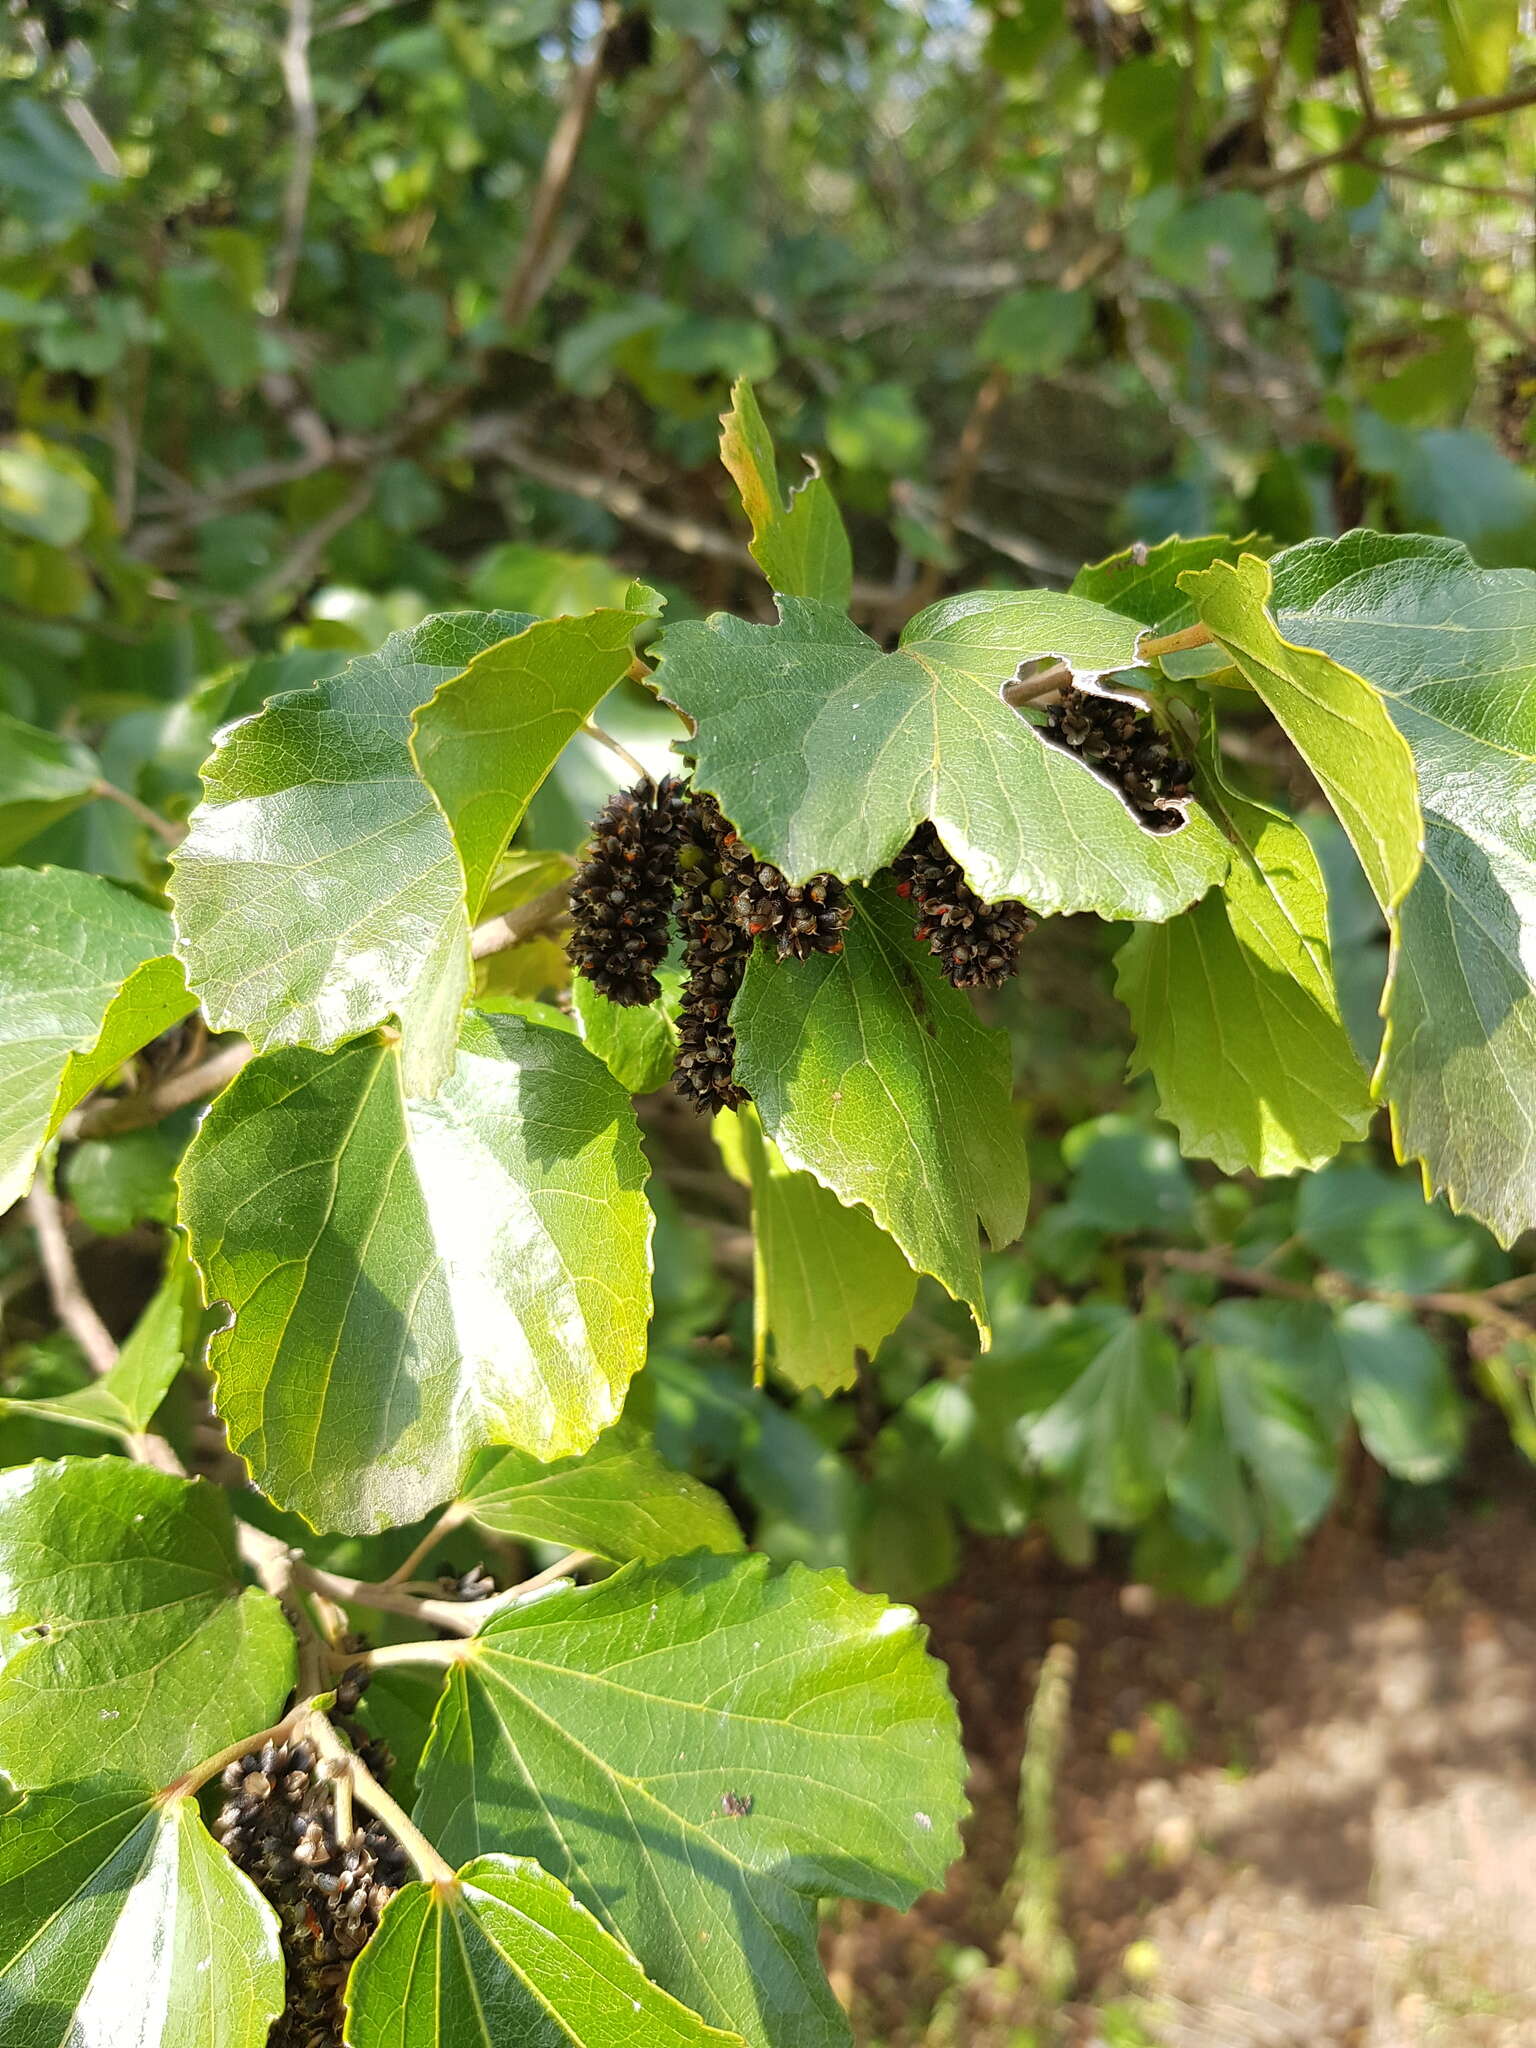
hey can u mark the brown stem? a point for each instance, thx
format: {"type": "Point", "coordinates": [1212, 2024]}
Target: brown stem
{"type": "Point", "coordinates": [302, 559]}
{"type": "Point", "coordinates": [432, 1867]}
{"type": "Point", "coordinates": [200, 1774]}
{"type": "Point", "coordinates": [1371, 127]}
{"type": "Point", "coordinates": [163, 828]}
{"type": "Point", "coordinates": [283, 1572]}
{"type": "Point", "coordinates": [1175, 643]}
{"type": "Point", "coordinates": [1476, 1308]}
{"type": "Point", "coordinates": [71, 1304]}
{"type": "Point", "coordinates": [301, 98]}
{"type": "Point", "coordinates": [618, 749]}
{"type": "Point", "coordinates": [530, 274]}
{"type": "Point", "coordinates": [452, 1517]}
{"type": "Point", "coordinates": [990, 394]}
{"type": "Point", "coordinates": [1044, 683]}
{"type": "Point", "coordinates": [105, 1115]}
{"type": "Point", "coordinates": [458, 1617]}
{"type": "Point", "coordinates": [541, 913]}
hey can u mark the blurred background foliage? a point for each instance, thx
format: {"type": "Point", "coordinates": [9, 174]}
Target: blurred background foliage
{"type": "Point", "coordinates": [318, 317]}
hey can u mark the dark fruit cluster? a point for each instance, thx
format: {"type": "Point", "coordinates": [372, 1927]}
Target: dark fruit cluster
{"type": "Point", "coordinates": [1124, 744]}
{"type": "Point", "coordinates": [621, 899]}
{"type": "Point", "coordinates": [278, 1823]}
{"type": "Point", "coordinates": [716, 948]}
{"type": "Point", "coordinates": [975, 943]}
{"type": "Point", "coordinates": [653, 848]}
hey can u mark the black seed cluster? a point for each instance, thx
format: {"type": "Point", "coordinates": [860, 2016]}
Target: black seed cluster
{"type": "Point", "coordinates": [278, 1823]}
{"type": "Point", "coordinates": [1123, 743]}
{"type": "Point", "coordinates": [653, 848]}
{"type": "Point", "coordinates": [796, 918]}
{"type": "Point", "coordinates": [975, 943]}
{"type": "Point", "coordinates": [621, 899]}
{"type": "Point", "coordinates": [475, 1584]}
{"type": "Point", "coordinates": [716, 948]}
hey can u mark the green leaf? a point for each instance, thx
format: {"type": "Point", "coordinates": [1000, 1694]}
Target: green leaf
{"type": "Point", "coordinates": [1222, 244]}
{"type": "Point", "coordinates": [1206, 1483]}
{"type": "Point", "coordinates": [544, 582]}
{"type": "Point", "coordinates": [1479, 39]}
{"type": "Point", "coordinates": [1236, 1014]}
{"type": "Point", "coordinates": [620, 1500]}
{"type": "Point", "coordinates": [490, 735]}
{"type": "Point", "coordinates": [506, 1954]}
{"type": "Point", "coordinates": [324, 885]}
{"type": "Point", "coordinates": [877, 427]}
{"type": "Point", "coordinates": [636, 1043]}
{"type": "Point", "coordinates": [827, 1281]}
{"type": "Point", "coordinates": [1335, 719]}
{"type": "Point", "coordinates": [868, 1066]}
{"type": "Point", "coordinates": [1143, 582]}
{"type": "Point", "coordinates": [1376, 1229]}
{"type": "Point", "coordinates": [1112, 1435]}
{"type": "Point", "coordinates": [81, 987]}
{"type": "Point", "coordinates": [1278, 1380]}
{"type": "Point", "coordinates": [701, 1750]}
{"type": "Point", "coordinates": [42, 778]}
{"type": "Point", "coordinates": [412, 1280]}
{"type": "Point", "coordinates": [46, 494]}
{"type": "Point", "coordinates": [128, 1178]}
{"type": "Point", "coordinates": [125, 1925]}
{"type": "Point", "coordinates": [793, 716]}
{"type": "Point", "coordinates": [799, 543]}
{"type": "Point", "coordinates": [128, 1643]}
{"type": "Point", "coordinates": [1034, 333]}
{"type": "Point", "coordinates": [1410, 1416]}
{"type": "Point", "coordinates": [123, 1401]}
{"type": "Point", "coordinates": [1449, 646]}
{"type": "Point", "coordinates": [1127, 1178]}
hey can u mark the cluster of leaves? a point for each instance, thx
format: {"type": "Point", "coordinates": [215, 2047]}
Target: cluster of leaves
{"type": "Point", "coordinates": [261, 314]}
{"type": "Point", "coordinates": [412, 1279]}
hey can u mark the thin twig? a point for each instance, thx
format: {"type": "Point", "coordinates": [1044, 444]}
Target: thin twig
{"type": "Point", "coordinates": [458, 1617]}
{"type": "Point", "coordinates": [210, 1767]}
{"type": "Point", "coordinates": [1254, 1280]}
{"type": "Point", "coordinates": [301, 98]}
{"type": "Point", "coordinates": [617, 748]}
{"type": "Point", "coordinates": [302, 559]}
{"type": "Point", "coordinates": [432, 1867]}
{"type": "Point", "coordinates": [71, 1304]}
{"type": "Point", "coordinates": [1357, 63]}
{"type": "Point", "coordinates": [105, 1115]}
{"type": "Point", "coordinates": [1482, 109]}
{"type": "Point", "coordinates": [1175, 643]}
{"type": "Point", "coordinates": [282, 1571]}
{"type": "Point", "coordinates": [542, 913]}
{"type": "Point", "coordinates": [562, 1568]}
{"type": "Point", "coordinates": [530, 274]}
{"type": "Point", "coordinates": [430, 1650]}
{"type": "Point", "coordinates": [990, 393]}
{"type": "Point", "coordinates": [452, 1517]}
{"type": "Point", "coordinates": [1411, 175]}
{"type": "Point", "coordinates": [1046, 682]}
{"type": "Point", "coordinates": [76, 1311]}
{"type": "Point", "coordinates": [163, 828]}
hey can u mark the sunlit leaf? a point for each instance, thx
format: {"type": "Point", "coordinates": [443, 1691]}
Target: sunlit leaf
{"type": "Point", "coordinates": [120, 1598]}
{"type": "Point", "coordinates": [84, 981]}
{"type": "Point", "coordinates": [700, 1751]}
{"type": "Point", "coordinates": [792, 717]}
{"type": "Point", "coordinates": [124, 1925]}
{"type": "Point", "coordinates": [412, 1280]}
{"type": "Point", "coordinates": [868, 1064]}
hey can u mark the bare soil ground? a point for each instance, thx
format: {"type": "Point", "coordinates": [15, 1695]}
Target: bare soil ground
{"type": "Point", "coordinates": [1318, 1808]}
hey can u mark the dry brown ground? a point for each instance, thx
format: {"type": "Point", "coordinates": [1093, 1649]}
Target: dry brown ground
{"type": "Point", "coordinates": [1318, 1808]}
